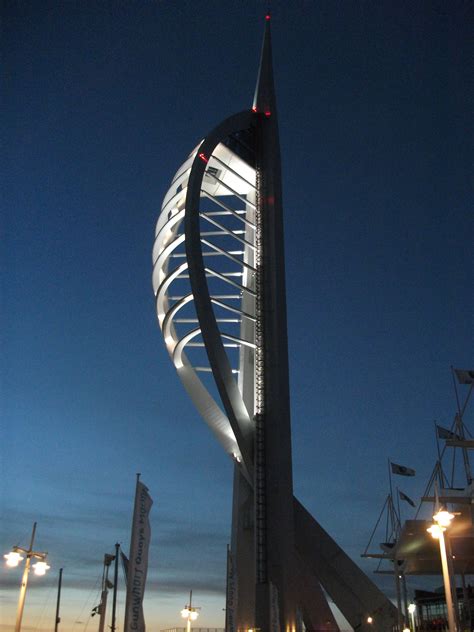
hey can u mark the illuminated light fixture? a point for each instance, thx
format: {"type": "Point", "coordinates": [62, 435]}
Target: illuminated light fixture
{"type": "Point", "coordinates": [254, 109]}
{"type": "Point", "coordinates": [13, 559]}
{"type": "Point", "coordinates": [203, 157]}
{"type": "Point", "coordinates": [411, 610]}
{"type": "Point", "coordinates": [267, 17]}
{"type": "Point", "coordinates": [370, 620]}
{"type": "Point", "coordinates": [268, 113]}
{"type": "Point", "coordinates": [436, 531]}
{"type": "Point", "coordinates": [41, 568]}
{"type": "Point", "coordinates": [405, 629]}
{"type": "Point", "coordinates": [236, 457]}
{"type": "Point", "coordinates": [443, 518]}
{"type": "Point", "coordinates": [189, 612]}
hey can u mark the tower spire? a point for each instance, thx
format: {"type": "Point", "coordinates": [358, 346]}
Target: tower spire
{"type": "Point", "coordinates": [264, 99]}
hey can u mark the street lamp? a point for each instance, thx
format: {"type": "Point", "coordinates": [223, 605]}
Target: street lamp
{"type": "Point", "coordinates": [411, 610]}
{"type": "Point", "coordinates": [442, 521]}
{"type": "Point", "coordinates": [14, 558]}
{"type": "Point", "coordinates": [189, 612]}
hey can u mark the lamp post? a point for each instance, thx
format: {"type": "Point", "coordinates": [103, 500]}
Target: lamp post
{"type": "Point", "coordinates": [442, 521]}
{"type": "Point", "coordinates": [411, 610]}
{"type": "Point", "coordinates": [13, 559]}
{"type": "Point", "coordinates": [190, 612]}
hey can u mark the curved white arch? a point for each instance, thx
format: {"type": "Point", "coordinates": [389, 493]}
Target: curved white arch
{"type": "Point", "coordinates": [227, 202]}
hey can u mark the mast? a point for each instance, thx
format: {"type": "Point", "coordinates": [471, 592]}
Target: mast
{"type": "Point", "coordinates": [57, 619]}
{"type": "Point", "coordinates": [114, 600]}
{"type": "Point", "coordinates": [102, 608]}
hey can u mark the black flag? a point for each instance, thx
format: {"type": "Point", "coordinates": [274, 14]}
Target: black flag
{"type": "Point", "coordinates": [401, 470]}
{"type": "Point", "coordinates": [406, 498]}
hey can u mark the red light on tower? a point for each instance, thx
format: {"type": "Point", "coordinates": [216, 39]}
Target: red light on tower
{"type": "Point", "coordinates": [268, 113]}
{"type": "Point", "coordinates": [267, 17]}
{"type": "Point", "coordinates": [203, 157]}
{"type": "Point", "coordinates": [254, 108]}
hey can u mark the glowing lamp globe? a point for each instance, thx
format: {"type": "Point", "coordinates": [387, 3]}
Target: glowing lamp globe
{"type": "Point", "coordinates": [41, 568]}
{"type": "Point", "coordinates": [436, 531]}
{"type": "Point", "coordinates": [13, 559]}
{"type": "Point", "coordinates": [443, 518]}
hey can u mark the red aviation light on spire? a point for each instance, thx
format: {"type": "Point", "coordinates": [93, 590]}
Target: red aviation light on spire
{"type": "Point", "coordinates": [203, 157]}
{"type": "Point", "coordinates": [268, 113]}
{"type": "Point", "coordinates": [268, 17]}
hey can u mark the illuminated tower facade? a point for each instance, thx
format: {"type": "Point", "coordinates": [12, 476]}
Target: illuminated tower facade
{"type": "Point", "coordinates": [219, 283]}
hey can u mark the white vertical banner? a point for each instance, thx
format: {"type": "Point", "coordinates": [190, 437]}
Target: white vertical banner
{"type": "Point", "coordinates": [231, 594]}
{"type": "Point", "coordinates": [138, 561]}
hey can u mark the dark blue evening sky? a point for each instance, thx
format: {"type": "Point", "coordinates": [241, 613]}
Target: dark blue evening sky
{"type": "Point", "coordinates": [102, 101]}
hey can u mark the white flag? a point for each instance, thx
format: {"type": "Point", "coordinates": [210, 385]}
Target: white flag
{"type": "Point", "coordinates": [138, 561]}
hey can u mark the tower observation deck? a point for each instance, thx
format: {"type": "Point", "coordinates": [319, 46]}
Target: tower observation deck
{"type": "Point", "coordinates": [219, 283]}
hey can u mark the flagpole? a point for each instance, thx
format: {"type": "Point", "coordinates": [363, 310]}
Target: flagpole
{"type": "Point", "coordinates": [390, 478]}
{"type": "Point", "coordinates": [58, 619]}
{"type": "Point", "coordinates": [399, 511]}
{"type": "Point", "coordinates": [114, 600]}
{"type": "Point", "coordinates": [103, 597]}
{"type": "Point", "coordinates": [437, 440]}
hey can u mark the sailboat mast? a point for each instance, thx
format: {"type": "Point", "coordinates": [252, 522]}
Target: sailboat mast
{"type": "Point", "coordinates": [114, 600]}
{"type": "Point", "coordinates": [105, 591]}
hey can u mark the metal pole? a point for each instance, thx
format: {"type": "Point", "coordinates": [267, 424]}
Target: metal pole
{"type": "Point", "coordinates": [24, 583]}
{"type": "Point", "coordinates": [114, 600]}
{"type": "Point", "coordinates": [447, 583]}
{"type": "Point", "coordinates": [103, 597]}
{"type": "Point", "coordinates": [452, 578]}
{"type": "Point", "coordinates": [399, 599]}
{"type": "Point", "coordinates": [58, 619]}
{"type": "Point", "coordinates": [405, 598]}
{"type": "Point", "coordinates": [188, 623]}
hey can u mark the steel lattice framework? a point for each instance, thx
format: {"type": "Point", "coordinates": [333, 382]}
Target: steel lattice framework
{"type": "Point", "coordinates": [219, 283]}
